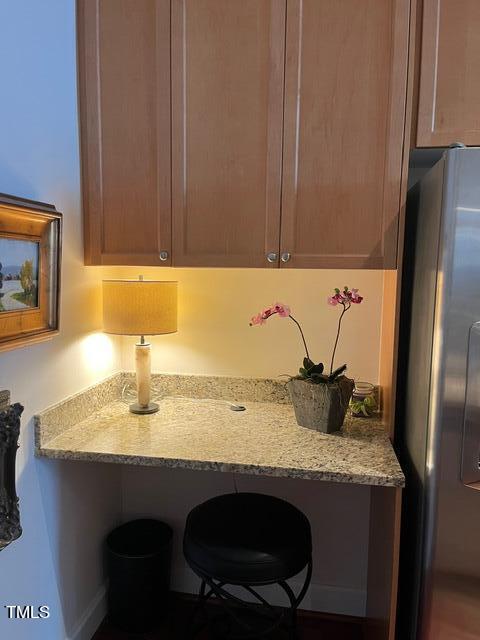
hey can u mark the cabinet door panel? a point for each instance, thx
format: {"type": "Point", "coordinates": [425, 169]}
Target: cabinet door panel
{"type": "Point", "coordinates": [346, 66]}
{"type": "Point", "coordinates": [449, 96]}
{"type": "Point", "coordinates": [124, 73]}
{"type": "Point", "coordinates": [227, 103]}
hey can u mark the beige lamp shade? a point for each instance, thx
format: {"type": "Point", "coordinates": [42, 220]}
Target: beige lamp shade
{"type": "Point", "coordinates": [139, 307]}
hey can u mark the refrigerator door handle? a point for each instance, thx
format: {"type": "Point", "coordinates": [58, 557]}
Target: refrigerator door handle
{"type": "Point", "coordinates": [471, 422]}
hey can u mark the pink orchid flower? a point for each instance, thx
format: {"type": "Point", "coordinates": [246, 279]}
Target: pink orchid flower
{"type": "Point", "coordinates": [283, 311]}
{"type": "Point", "coordinates": [278, 308]}
{"type": "Point", "coordinates": [346, 298]}
{"type": "Point", "coordinates": [355, 298]}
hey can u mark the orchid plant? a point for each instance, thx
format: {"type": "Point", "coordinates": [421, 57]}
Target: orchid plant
{"type": "Point", "coordinates": [310, 370]}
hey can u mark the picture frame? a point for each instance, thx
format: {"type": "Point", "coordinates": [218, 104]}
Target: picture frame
{"type": "Point", "coordinates": [30, 259]}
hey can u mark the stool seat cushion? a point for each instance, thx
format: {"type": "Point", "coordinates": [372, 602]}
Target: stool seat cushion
{"type": "Point", "coordinates": [247, 538]}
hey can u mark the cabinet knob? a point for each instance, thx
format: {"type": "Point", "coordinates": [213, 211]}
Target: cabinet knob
{"type": "Point", "coordinates": [163, 255]}
{"type": "Point", "coordinates": [285, 256]}
{"type": "Point", "coordinates": [272, 257]}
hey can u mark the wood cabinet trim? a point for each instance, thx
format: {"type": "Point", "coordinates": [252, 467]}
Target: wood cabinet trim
{"type": "Point", "coordinates": [383, 563]}
{"type": "Point", "coordinates": [392, 278]}
{"type": "Point", "coordinates": [428, 73]}
{"type": "Point", "coordinates": [164, 133]}
{"type": "Point", "coordinates": [399, 128]}
{"type": "Point", "coordinates": [87, 54]}
{"type": "Point", "coordinates": [414, 68]}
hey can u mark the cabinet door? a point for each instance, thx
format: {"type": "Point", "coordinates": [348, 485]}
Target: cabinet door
{"type": "Point", "coordinates": [346, 67]}
{"type": "Point", "coordinates": [124, 82]}
{"type": "Point", "coordinates": [449, 95]}
{"type": "Point", "coordinates": [227, 110]}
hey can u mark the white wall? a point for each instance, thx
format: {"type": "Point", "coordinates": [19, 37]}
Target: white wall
{"type": "Point", "coordinates": [65, 508]}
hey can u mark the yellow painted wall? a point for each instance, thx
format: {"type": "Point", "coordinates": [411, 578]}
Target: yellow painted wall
{"type": "Point", "coordinates": [215, 306]}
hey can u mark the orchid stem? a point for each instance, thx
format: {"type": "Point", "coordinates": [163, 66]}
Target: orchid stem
{"type": "Point", "coordinates": [301, 333]}
{"type": "Point", "coordinates": [345, 309]}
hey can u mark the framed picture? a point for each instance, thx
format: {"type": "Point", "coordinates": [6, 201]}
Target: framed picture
{"type": "Point", "coordinates": [30, 251]}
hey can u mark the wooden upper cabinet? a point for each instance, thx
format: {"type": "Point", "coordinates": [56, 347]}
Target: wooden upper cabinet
{"type": "Point", "coordinates": [449, 94]}
{"type": "Point", "coordinates": [227, 112]}
{"type": "Point", "coordinates": [345, 95]}
{"type": "Point", "coordinates": [124, 86]}
{"type": "Point", "coordinates": [220, 132]}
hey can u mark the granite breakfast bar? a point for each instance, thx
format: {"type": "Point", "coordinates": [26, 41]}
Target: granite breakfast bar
{"type": "Point", "coordinates": [197, 429]}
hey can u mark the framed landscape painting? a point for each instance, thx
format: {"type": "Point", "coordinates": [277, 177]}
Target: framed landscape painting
{"type": "Point", "coordinates": [18, 274]}
{"type": "Point", "coordinates": [30, 242]}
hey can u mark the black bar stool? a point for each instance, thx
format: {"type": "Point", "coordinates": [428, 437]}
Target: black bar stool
{"type": "Point", "coordinates": [249, 540]}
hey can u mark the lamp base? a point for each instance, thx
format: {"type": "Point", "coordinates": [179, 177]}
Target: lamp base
{"type": "Point", "coordinates": [151, 407]}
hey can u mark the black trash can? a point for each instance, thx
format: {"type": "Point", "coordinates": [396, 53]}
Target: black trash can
{"type": "Point", "coordinates": [138, 565]}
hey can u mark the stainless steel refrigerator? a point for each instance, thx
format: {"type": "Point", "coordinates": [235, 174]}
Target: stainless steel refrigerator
{"type": "Point", "coordinates": [438, 430]}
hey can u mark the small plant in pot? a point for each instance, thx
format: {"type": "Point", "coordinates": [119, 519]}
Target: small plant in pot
{"type": "Point", "coordinates": [320, 399]}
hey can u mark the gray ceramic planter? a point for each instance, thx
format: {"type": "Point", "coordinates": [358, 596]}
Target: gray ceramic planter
{"type": "Point", "coordinates": [321, 406]}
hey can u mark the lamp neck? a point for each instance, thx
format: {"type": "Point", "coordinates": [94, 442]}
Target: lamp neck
{"type": "Point", "coordinates": [142, 342]}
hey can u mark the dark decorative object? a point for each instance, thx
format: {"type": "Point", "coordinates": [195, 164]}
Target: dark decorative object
{"type": "Point", "coordinates": [10, 528]}
{"type": "Point", "coordinates": [30, 239]}
{"type": "Point", "coordinates": [321, 406]}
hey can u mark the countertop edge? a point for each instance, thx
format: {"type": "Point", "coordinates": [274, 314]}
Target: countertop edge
{"type": "Point", "coordinates": [225, 467]}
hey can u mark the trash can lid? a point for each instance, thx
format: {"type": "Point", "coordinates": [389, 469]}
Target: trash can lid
{"type": "Point", "coordinates": [139, 538]}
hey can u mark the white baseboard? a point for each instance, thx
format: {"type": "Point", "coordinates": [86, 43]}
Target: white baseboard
{"type": "Point", "coordinates": [320, 597]}
{"type": "Point", "coordinates": [91, 617]}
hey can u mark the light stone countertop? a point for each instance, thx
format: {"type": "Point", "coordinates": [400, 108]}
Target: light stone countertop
{"type": "Point", "coordinates": [205, 434]}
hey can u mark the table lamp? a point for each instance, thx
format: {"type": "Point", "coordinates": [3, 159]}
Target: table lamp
{"type": "Point", "coordinates": [140, 308]}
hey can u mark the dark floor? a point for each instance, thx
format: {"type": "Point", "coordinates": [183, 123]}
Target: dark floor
{"type": "Point", "coordinates": [311, 626]}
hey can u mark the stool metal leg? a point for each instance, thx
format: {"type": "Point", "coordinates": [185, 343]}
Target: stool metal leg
{"type": "Point", "coordinates": [266, 611]}
{"type": "Point", "coordinates": [292, 623]}
{"type": "Point", "coordinates": [296, 600]}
